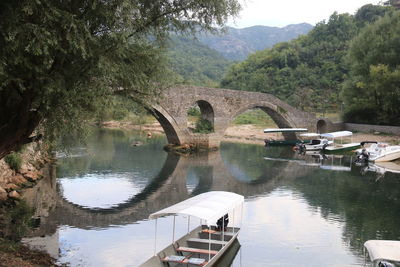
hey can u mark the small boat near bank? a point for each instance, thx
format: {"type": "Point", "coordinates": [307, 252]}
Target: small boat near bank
{"type": "Point", "coordinates": [273, 142]}
{"type": "Point", "coordinates": [209, 241]}
{"type": "Point", "coordinates": [378, 152]}
{"type": "Point", "coordinates": [339, 147]}
{"type": "Point", "coordinates": [316, 143]}
{"type": "Point", "coordinates": [327, 142]}
{"type": "Point", "coordinates": [382, 253]}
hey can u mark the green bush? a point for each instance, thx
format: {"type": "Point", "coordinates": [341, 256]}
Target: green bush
{"type": "Point", "coordinates": [14, 161]}
{"type": "Point", "coordinates": [203, 126]}
{"type": "Point", "coordinates": [194, 111]}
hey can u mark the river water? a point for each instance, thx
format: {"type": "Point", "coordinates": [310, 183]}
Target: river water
{"type": "Point", "coordinates": [300, 210]}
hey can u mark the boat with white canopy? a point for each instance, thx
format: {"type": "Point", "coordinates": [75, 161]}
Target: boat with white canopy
{"type": "Point", "coordinates": [339, 147]}
{"type": "Point", "coordinates": [383, 252]}
{"type": "Point", "coordinates": [206, 243]}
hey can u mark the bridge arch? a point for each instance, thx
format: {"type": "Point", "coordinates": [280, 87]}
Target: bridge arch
{"type": "Point", "coordinates": [207, 111]}
{"type": "Point", "coordinates": [276, 113]}
{"type": "Point", "coordinates": [168, 124]}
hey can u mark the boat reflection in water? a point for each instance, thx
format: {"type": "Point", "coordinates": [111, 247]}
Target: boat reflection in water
{"type": "Point", "coordinates": [320, 160]}
{"type": "Point", "coordinates": [381, 168]}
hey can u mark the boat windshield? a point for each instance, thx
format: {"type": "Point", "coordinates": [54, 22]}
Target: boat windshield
{"type": "Point", "coordinates": [315, 142]}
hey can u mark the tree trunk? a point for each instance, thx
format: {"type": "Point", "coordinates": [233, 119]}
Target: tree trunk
{"type": "Point", "coordinates": [17, 122]}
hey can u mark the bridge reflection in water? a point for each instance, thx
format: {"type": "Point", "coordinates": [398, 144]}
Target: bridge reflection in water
{"type": "Point", "coordinates": [78, 230]}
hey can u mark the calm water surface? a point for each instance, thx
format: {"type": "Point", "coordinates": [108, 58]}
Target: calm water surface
{"type": "Point", "coordinates": [299, 210]}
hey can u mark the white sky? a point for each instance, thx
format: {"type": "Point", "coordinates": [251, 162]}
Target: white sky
{"type": "Point", "coordinates": [280, 13]}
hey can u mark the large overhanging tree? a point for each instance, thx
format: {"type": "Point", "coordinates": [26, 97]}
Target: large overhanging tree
{"type": "Point", "coordinates": [61, 59]}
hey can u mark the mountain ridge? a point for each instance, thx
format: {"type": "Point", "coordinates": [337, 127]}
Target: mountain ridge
{"type": "Point", "coordinates": [236, 44]}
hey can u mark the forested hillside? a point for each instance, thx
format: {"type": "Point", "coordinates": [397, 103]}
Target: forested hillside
{"type": "Point", "coordinates": [195, 63]}
{"type": "Point", "coordinates": [237, 44]}
{"type": "Point", "coordinates": [204, 60]}
{"type": "Point", "coordinates": [310, 71]}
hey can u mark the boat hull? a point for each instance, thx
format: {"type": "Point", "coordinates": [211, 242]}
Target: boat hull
{"type": "Point", "coordinates": [156, 261]}
{"type": "Point", "coordinates": [387, 157]}
{"type": "Point", "coordinates": [342, 148]}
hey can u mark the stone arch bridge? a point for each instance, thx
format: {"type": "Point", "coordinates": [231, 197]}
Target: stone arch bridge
{"type": "Point", "coordinates": [220, 107]}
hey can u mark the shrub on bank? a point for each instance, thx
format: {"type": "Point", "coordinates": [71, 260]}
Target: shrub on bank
{"type": "Point", "coordinates": [14, 161]}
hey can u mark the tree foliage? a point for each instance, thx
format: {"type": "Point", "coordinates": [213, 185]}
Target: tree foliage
{"type": "Point", "coordinates": [307, 72]}
{"type": "Point", "coordinates": [61, 60]}
{"type": "Point", "coordinates": [372, 91]}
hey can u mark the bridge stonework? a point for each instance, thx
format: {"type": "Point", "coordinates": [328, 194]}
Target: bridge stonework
{"type": "Point", "coordinates": [220, 107]}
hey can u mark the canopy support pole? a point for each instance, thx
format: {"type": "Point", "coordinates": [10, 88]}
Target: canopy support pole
{"type": "Point", "coordinates": [209, 244]}
{"type": "Point", "coordinates": [233, 223]}
{"type": "Point", "coordinates": [188, 223]}
{"type": "Point", "coordinates": [155, 239]}
{"type": "Point", "coordinates": [223, 228]}
{"type": "Point", "coordinates": [173, 231]}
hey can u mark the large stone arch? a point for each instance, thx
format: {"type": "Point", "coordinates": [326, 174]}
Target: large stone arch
{"type": "Point", "coordinates": [168, 124]}
{"type": "Point", "coordinates": [276, 113]}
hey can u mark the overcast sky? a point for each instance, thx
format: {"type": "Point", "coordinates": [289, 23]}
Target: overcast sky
{"type": "Point", "coordinates": [283, 12]}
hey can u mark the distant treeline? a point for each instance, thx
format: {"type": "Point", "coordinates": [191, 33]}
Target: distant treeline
{"type": "Point", "coordinates": [349, 63]}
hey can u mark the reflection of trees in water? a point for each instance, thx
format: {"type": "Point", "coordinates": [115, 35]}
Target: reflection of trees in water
{"type": "Point", "coordinates": [110, 150]}
{"type": "Point", "coordinates": [370, 210]}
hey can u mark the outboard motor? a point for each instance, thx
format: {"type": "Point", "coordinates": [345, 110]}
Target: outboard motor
{"type": "Point", "coordinates": [362, 157]}
{"type": "Point", "coordinates": [385, 264]}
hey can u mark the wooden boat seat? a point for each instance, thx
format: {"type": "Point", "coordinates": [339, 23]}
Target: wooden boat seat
{"type": "Point", "coordinates": [206, 241]}
{"type": "Point", "coordinates": [197, 250]}
{"type": "Point", "coordinates": [213, 232]}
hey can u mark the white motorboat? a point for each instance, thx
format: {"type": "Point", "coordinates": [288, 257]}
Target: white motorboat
{"type": "Point", "coordinates": [206, 243]}
{"type": "Point", "coordinates": [385, 253]}
{"type": "Point", "coordinates": [378, 152]}
{"type": "Point", "coordinates": [315, 144]}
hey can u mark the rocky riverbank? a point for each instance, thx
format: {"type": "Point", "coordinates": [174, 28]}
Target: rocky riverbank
{"type": "Point", "coordinates": [17, 174]}
{"type": "Point", "coordinates": [14, 179]}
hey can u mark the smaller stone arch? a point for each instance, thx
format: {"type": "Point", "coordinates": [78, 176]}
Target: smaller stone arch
{"type": "Point", "coordinates": [322, 126]}
{"type": "Point", "coordinates": [206, 112]}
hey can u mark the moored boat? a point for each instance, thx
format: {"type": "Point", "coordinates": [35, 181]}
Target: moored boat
{"type": "Point", "coordinates": [206, 243]}
{"type": "Point", "coordinates": [383, 253]}
{"type": "Point", "coordinates": [290, 142]}
{"type": "Point", "coordinates": [339, 147]}
{"type": "Point", "coordinates": [316, 143]}
{"type": "Point", "coordinates": [378, 152]}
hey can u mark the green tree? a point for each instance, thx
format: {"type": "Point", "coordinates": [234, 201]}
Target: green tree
{"type": "Point", "coordinates": [61, 60]}
{"type": "Point", "coordinates": [372, 90]}
{"type": "Point", "coordinates": [309, 71]}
